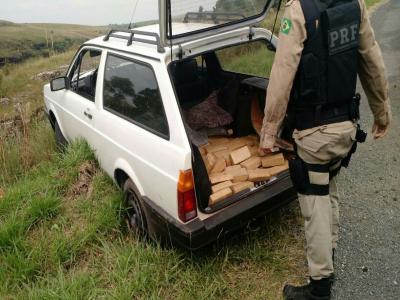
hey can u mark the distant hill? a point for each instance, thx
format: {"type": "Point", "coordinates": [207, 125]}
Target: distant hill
{"type": "Point", "coordinates": [21, 41]}
{"type": "Point", "coordinates": [6, 23]}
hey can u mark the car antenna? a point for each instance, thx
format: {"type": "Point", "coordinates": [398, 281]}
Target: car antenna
{"type": "Point", "coordinates": [270, 46]}
{"type": "Point", "coordinates": [133, 14]}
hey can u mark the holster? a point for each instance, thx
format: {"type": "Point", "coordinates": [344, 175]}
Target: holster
{"type": "Point", "coordinates": [361, 137]}
{"type": "Point", "coordinates": [299, 175]}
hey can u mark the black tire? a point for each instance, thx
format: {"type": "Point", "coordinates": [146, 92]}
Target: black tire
{"type": "Point", "coordinates": [61, 142]}
{"type": "Point", "coordinates": [135, 214]}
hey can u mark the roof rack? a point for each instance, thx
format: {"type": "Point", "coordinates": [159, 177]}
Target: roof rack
{"type": "Point", "coordinates": [131, 38]}
{"type": "Point", "coordinates": [216, 17]}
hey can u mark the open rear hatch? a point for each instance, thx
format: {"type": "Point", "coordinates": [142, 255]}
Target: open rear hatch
{"type": "Point", "coordinates": [223, 113]}
{"type": "Point", "coordinates": [183, 21]}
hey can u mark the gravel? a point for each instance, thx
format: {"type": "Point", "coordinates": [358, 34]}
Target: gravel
{"type": "Point", "coordinates": [368, 259]}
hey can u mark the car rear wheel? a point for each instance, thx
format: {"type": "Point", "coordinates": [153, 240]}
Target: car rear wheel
{"type": "Point", "coordinates": [61, 141]}
{"type": "Point", "coordinates": [136, 218]}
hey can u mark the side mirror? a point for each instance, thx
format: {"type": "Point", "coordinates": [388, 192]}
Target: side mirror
{"type": "Point", "coordinates": [58, 84]}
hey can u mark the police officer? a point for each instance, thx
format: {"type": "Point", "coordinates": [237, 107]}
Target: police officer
{"type": "Point", "coordinates": [323, 45]}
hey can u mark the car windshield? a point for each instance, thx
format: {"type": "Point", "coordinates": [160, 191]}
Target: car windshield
{"type": "Point", "coordinates": [210, 13]}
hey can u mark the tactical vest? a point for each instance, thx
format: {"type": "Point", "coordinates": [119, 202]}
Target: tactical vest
{"type": "Point", "coordinates": [325, 84]}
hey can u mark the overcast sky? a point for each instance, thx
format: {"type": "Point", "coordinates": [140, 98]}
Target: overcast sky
{"type": "Point", "coordinates": [90, 12]}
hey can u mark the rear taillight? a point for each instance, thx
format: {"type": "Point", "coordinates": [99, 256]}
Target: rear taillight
{"type": "Point", "coordinates": [187, 208]}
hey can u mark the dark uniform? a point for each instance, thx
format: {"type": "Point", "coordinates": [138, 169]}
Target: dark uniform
{"type": "Point", "coordinates": [323, 45]}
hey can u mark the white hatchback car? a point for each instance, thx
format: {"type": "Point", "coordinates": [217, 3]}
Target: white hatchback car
{"type": "Point", "coordinates": [126, 94]}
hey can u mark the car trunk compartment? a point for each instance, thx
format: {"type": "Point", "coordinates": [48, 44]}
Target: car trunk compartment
{"type": "Point", "coordinates": [236, 94]}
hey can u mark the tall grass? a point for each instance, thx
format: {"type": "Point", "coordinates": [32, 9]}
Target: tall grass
{"type": "Point", "coordinates": [25, 149]}
{"type": "Point", "coordinates": [21, 85]}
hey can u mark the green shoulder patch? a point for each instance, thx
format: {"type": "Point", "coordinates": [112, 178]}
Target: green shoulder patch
{"type": "Point", "coordinates": [286, 25]}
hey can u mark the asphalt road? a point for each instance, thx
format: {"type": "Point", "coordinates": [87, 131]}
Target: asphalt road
{"type": "Point", "coordinates": [368, 258]}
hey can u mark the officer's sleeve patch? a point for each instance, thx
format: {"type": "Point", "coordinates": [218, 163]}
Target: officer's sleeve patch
{"type": "Point", "coordinates": [286, 25]}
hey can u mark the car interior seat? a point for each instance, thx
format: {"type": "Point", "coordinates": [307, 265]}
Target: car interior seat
{"type": "Point", "coordinates": [190, 85]}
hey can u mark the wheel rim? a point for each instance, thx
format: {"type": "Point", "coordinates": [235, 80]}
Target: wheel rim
{"type": "Point", "coordinates": [134, 213]}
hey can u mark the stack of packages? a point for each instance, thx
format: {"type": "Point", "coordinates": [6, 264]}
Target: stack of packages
{"type": "Point", "coordinates": [234, 166]}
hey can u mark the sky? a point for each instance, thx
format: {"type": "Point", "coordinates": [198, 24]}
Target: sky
{"type": "Point", "coordinates": [87, 12]}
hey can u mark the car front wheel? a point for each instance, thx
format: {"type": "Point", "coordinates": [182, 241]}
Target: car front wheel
{"type": "Point", "coordinates": [61, 141]}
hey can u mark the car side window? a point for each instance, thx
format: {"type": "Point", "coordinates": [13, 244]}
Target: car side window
{"type": "Point", "coordinates": [83, 76]}
{"type": "Point", "coordinates": [131, 91]}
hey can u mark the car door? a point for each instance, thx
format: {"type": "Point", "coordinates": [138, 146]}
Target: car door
{"type": "Point", "coordinates": [79, 99]}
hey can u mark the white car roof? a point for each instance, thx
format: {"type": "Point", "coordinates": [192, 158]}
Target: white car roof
{"type": "Point", "coordinates": [139, 48]}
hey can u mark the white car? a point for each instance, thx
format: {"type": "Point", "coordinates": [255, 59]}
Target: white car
{"type": "Point", "coordinates": [126, 94]}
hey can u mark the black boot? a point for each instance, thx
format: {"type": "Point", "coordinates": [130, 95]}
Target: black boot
{"type": "Point", "coordinates": [315, 290]}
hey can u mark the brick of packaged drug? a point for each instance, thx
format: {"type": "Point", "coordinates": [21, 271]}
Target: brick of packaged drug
{"type": "Point", "coordinates": [219, 196]}
{"type": "Point", "coordinates": [278, 169]}
{"type": "Point", "coordinates": [273, 160]}
{"type": "Point", "coordinates": [215, 148]}
{"type": "Point", "coordinates": [202, 150]}
{"type": "Point", "coordinates": [221, 186]}
{"type": "Point", "coordinates": [212, 159]}
{"type": "Point", "coordinates": [252, 163]}
{"type": "Point", "coordinates": [237, 144]}
{"type": "Point", "coordinates": [240, 175]}
{"type": "Point", "coordinates": [254, 151]}
{"type": "Point", "coordinates": [219, 166]}
{"type": "Point", "coordinates": [259, 175]}
{"type": "Point", "coordinates": [240, 155]}
{"type": "Point", "coordinates": [232, 169]}
{"type": "Point", "coordinates": [242, 186]}
{"type": "Point", "coordinates": [206, 163]}
{"type": "Point", "coordinates": [222, 154]}
{"type": "Point", "coordinates": [251, 140]}
{"type": "Point", "coordinates": [228, 161]}
{"type": "Point", "coordinates": [220, 177]}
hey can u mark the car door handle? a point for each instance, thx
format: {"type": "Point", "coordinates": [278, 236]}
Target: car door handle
{"type": "Point", "coordinates": [88, 115]}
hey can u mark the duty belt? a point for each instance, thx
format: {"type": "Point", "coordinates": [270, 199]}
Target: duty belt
{"type": "Point", "coordinates": [324, 114]}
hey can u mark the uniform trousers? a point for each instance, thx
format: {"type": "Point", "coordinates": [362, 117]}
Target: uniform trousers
{"type": "Point", "coordinates": [323, 145]}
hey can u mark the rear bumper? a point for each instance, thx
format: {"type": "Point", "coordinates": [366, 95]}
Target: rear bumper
{"type": "Point", "coordinates": [197, 233]}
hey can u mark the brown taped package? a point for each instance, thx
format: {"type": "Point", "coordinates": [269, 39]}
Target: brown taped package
{"type": "Point", "coordinates": [221, 186]}
{"type": "Point", "coordinates": [240, 155]}
{"type": "Point", "coordinates": [219, 196]}
{"type": "Point", "coordinates": [252, 163]}
{"type": "Point", "coordinates": [220, 177]}
{"type": "Point", "coordinates": [242, 186]}
{"type": "Point", "coordinates": [273, 160]}
{"type": "Point", "coordinates": [259, 175]}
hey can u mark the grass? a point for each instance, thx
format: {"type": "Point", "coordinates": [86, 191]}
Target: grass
{"type": "Point", "coordinates": [25, 150]}
{"type": "Point", "coordinates": [61, 236]}
{"type": "Point", "coordinates": [19, 84]}
{"type": "Point", "coordinates": [253, 59]}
